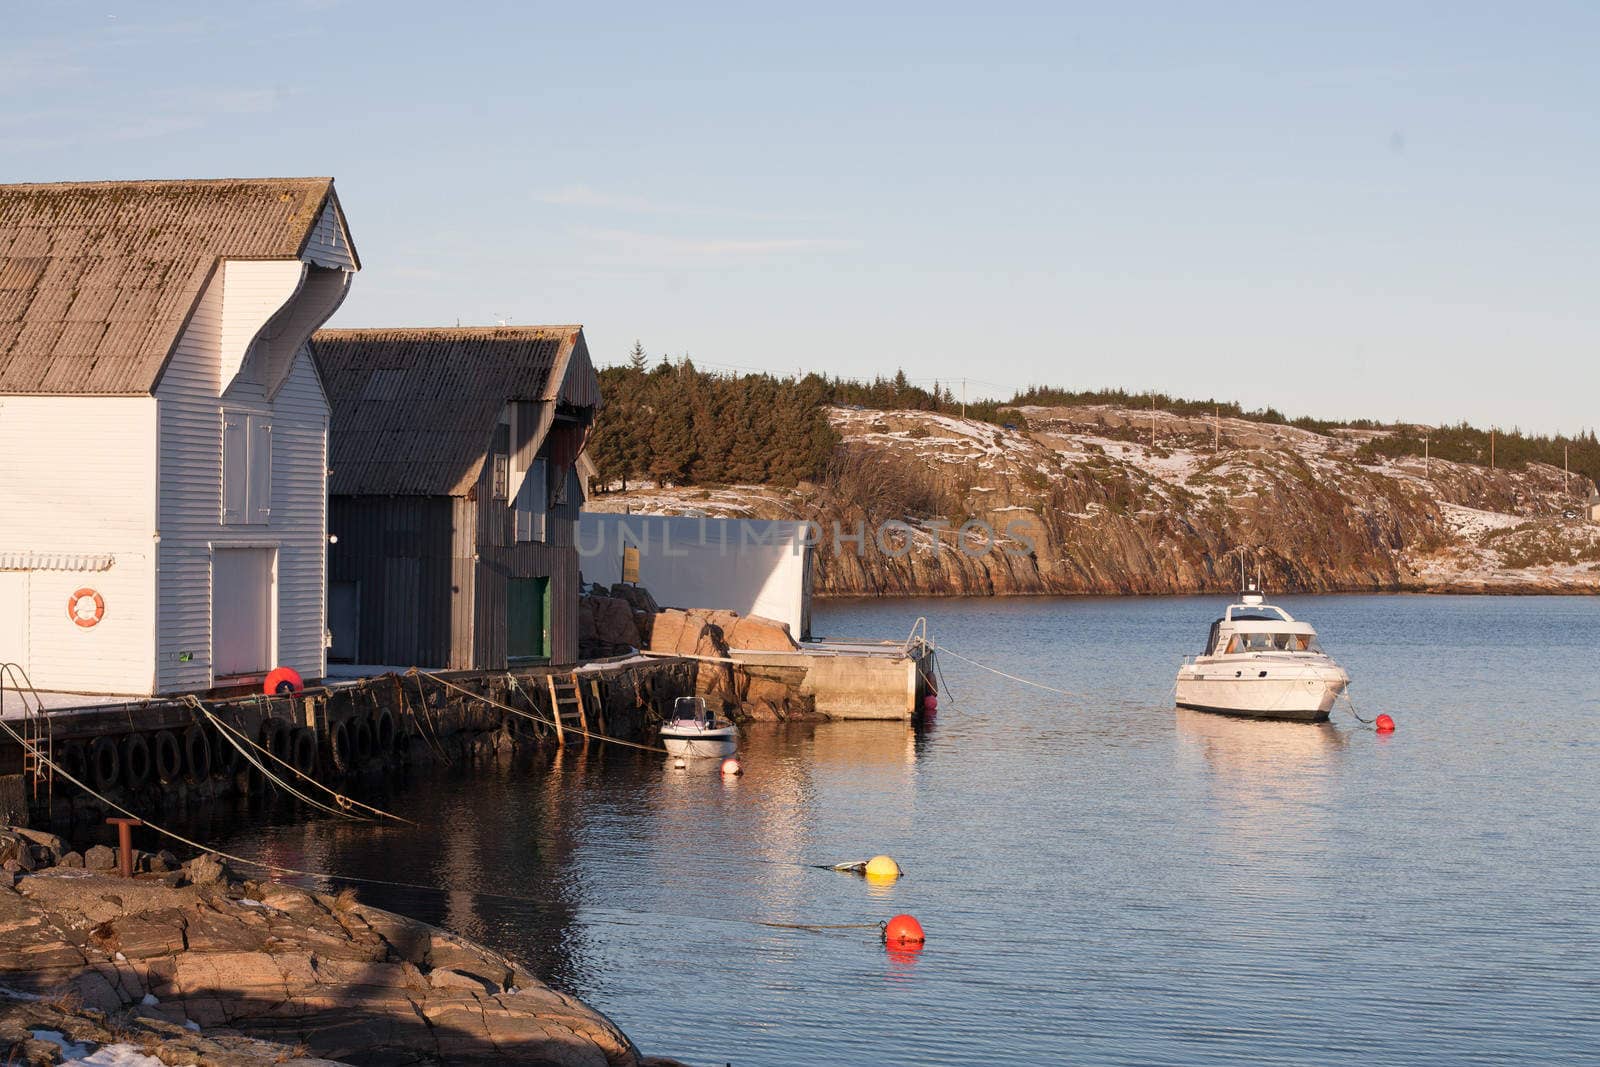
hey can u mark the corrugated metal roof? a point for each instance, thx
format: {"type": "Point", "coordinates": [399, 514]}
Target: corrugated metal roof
{"type": "Point", "coordinates": [98, 278]}
{"type": "Point", "coordinates": [414, 409]}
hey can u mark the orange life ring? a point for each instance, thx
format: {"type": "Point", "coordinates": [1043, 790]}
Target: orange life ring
{"type": "Point", "coordinates": [75, 601]}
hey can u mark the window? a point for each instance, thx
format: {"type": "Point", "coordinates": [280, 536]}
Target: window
{"type": "Point", "coordinates": [246, 469]}
{"type": "Point", "coordinates": [1271, 642]}
{"type": "Point", "coordinates": [532, 503]}
{"type": "Point", "coordinates": [502, 475]}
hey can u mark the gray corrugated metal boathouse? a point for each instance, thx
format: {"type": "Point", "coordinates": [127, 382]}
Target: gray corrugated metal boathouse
{"type": "Point", "coordinates": [454, 493]}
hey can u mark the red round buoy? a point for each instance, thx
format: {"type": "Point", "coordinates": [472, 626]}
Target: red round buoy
{"type": "Point", "coordinates": [1383, 724]}
{"type": "Point", "coordinates": [930, 702]}
{"type": "Point", "coordinates": [903, 930]}
{"type": "Point", "coordinates": [282, 680]}
{"type": "Point", "coordinates": [731, 766]}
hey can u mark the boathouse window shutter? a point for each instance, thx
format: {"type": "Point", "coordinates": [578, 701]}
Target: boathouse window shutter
{"type": "Point", "coordinates": [235, 466]}
{"type": "Point", "coordinates": [258, 490]}
{"type": "Point", "coordinates": [246, 469]}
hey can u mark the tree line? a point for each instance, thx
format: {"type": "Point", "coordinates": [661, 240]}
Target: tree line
{"type": "Point", "coordinates": [675, 424]}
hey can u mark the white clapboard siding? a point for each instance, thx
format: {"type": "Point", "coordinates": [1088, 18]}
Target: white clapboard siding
{"type": "Point", "coordinates": [191, 495]}
{"type": "Point", "coordinates": [290, 516]}
{"type": "Point", "coordinates": [252, 292]}
{"type": "Point", "coordinates": [330, 245]}
{"type": "Point", "coordinates": [88, 489]}
{"type": "Point", "coordinates": [300, 516]}
{"type": "Point", "coordinates": [14, 617]}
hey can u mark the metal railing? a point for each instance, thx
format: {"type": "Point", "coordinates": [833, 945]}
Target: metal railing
{"type": "Point", "coordinates": [38, 753]}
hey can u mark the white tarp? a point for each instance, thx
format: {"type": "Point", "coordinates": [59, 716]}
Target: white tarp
{"type": "Point", "coordinates": [754, 567]}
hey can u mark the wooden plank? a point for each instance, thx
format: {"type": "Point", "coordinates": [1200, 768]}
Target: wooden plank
{"type": "Point", "coordinates": [555, 707]}
{"type": "Point", "coordinates": [583, 717]}
{"type": "Point", "coordinates": [599, 703]}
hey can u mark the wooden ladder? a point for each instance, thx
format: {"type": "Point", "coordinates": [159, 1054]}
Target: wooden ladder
{"type": "Point", "coordinates": [566, 705]}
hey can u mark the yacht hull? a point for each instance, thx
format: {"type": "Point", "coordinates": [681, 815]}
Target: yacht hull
{"type": "Point", "coordinates": [1296, 698]}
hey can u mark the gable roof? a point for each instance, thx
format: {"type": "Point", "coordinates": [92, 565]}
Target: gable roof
{"type": "Point", "coordinates": [98, 279]}
{"type": "Point", "coordinates": [414, 410]}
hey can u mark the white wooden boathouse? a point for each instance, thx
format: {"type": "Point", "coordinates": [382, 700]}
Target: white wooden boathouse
{"type": "Point", "coordinates": [163, 431]}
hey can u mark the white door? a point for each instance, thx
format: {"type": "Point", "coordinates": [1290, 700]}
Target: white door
{"type": "Point", "coordinates": [14, 618]}
{"type": "Point", "coordinates": [241, 611]}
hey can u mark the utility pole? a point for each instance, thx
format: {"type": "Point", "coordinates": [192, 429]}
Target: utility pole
{"type": "Point", "coordinates": [1152, 420]}
{"type": "Point", "coordinates": [963, 398]}
{"type": "Point", "coordinates": [1564, 487]}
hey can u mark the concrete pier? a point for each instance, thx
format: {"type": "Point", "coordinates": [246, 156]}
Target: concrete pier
{"type": "Point", "coordinates": [847, 679]}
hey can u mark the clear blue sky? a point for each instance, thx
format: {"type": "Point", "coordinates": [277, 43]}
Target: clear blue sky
{"type": "Point", "coordinates": [1387, 210]}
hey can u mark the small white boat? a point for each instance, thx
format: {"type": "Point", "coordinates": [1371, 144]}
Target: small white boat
{"type": "Point", "coordinates": [694, 730]}
{"type": "Point", "coordinates": [1261, 663]}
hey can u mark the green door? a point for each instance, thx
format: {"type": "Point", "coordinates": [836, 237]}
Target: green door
{"type": "Point", "coordinates": [528, 619]}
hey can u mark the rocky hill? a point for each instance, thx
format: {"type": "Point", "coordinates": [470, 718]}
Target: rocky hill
{"type": "Point", "coordinates": [1106, 499]}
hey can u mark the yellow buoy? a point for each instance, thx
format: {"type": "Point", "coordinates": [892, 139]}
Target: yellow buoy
{"type": "Point", "coordinates": [882, 869]}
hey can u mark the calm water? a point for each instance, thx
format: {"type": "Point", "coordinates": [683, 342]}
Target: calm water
{"type": "Point", "coordinates": [1103, 879]}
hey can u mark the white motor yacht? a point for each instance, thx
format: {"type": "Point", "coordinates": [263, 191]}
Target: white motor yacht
{"type": "Point", "coordinates": [1261, 663]}
{"type": "Point", "coordinates": [694, 730]}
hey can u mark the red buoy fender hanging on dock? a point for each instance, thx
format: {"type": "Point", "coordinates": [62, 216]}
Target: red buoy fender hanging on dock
{"type": "Point", "coordinates": [903, 930]}
{"type": "Point", "coordinates": [1383, 724]}
{"type": "Point", "coordinates": [283, 680]}
{"type": "Point", "coordinates": [86, 607]}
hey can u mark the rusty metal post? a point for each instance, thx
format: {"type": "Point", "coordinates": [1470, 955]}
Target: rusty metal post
{"type": "Point", "coordinates": [125, 843]}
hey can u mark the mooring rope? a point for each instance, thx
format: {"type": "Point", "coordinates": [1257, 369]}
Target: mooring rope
{"type": "Point", "coordinates": [422, 698]}
{"type": "Point", "coordinates": [1351, 704]}
{"type": "Point", "coordinates": [338, 798]}
{"type": "Point", "coordinates": [943, 649]}
{"type": "Point", "coordinates": [536, 718]}
{"type": "Point", "coordinates": [277, 868]}
{"type": "Point", "coordinates": [274, 779]}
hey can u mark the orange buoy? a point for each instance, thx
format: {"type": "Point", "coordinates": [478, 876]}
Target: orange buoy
{"type": "Point", "coordinates": [903, 930]}
{"type": "Point", "coordinates": [731, 766]}
{"type": "Point", "coordinates": [282, 680]}
{"type": "Point", "coordinates": [1383, 724]}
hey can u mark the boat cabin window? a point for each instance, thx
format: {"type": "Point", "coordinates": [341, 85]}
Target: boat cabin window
{"type": "Point", "coordinates": [1271, 642]}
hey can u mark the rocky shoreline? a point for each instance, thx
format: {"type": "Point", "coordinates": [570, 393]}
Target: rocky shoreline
{"type": "Point", "coordinates": [188, 964]}
{"type": "Point", "coordinates": [1098, 500]}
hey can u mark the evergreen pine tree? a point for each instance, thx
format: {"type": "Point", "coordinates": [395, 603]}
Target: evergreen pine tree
{"type": "Point", "coordinates": [671, 435]}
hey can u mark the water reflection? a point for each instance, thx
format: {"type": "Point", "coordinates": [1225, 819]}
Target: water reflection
{"type": "Point", "coordinates": [1104, 879]}
{"type": "Point", "coordinates": [878, 745]}
{"type": "Point", "coordinates": [1251, 757]}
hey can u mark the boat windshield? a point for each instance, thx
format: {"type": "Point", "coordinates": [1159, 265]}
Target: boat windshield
{"type": "Point", "coordinates": [1271, 642]}
{"type": "Point", "coordinates": [689, 708]}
